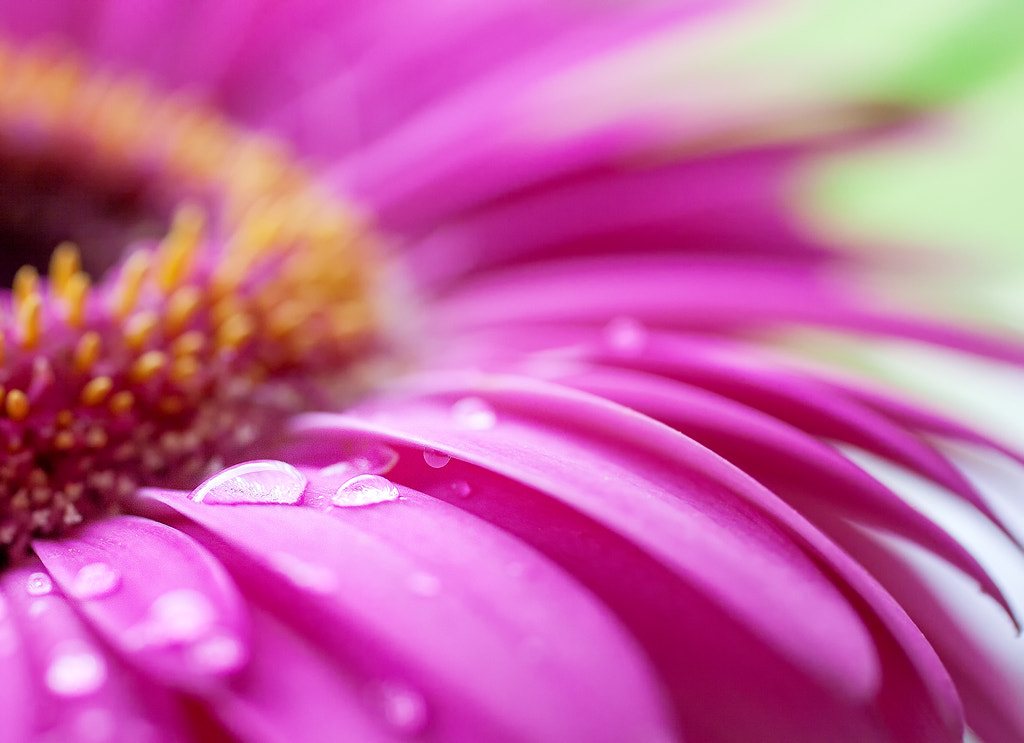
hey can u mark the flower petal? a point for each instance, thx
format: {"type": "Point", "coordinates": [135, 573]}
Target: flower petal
{"type": "Point", "coordinates": [171, 603]}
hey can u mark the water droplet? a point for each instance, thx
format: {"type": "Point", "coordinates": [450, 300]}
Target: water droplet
{"type": "Point", "coordinates": [424, 584]}
{"type": "Point", "coordinates": [404, 708]}
{"type": "Point", "coordinates": [435, 459]}
{"type": "Point", "coordinates": [266, 481]}
{"type": "Point", "coordinates": [474, 414]}
{"type": "Point", "coordinates": [180, 616]}
{"type": "Point", "coordinates": [377, 459]}
{"type": "Point", "coordinates": [218, 654]}
{"type": "Point", "coordinates": [75, 670]}
{"type": "Point", "coordinates": [307, 575]}
{"type": "Point", "coordinates": [625, 335]}
{"type": "Point", "coordinates": [95, 580]}
{"type": "Point", "coordinates": [365, 490]}
{"type": "Point", "coordinates": [39, 584]}
{"type": "Point", "coordinates": [461, 489]}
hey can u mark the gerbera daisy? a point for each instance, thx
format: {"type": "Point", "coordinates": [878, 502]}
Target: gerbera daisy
{"type": "Point", "coordinates": [424, 371]}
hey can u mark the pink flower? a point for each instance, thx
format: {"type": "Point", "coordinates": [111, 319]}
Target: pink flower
{"type": "Point", "coordinates": [526, 462]}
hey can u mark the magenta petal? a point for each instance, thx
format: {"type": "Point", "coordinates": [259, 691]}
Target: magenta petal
{"type": "Point", "coordinates": [170, 605]}
{"type": "Point", "coordinates": [417, 597]}
{"type": "Point", "coordinates": [17, 699]}
{"type": "Point", "coordinates": [85, 694]}
{"type": "Point", "coordinates": [684, 506]}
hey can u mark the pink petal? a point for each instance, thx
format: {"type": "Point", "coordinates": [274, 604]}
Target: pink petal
{"type": "Point", "coordinates": [417, 596]}
{"type": "Point", "coordinates": [171, 601]}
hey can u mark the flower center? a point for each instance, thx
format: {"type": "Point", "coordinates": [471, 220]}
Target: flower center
{"type": "Point", "coordinates": [177, 285]}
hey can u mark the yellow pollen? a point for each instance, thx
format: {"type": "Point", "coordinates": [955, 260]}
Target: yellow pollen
{"type": "Point", "coordinates": [87, 351]}
{"type": "Point", "coordinates": [235, 331]}
{"type": "Point", "coordinates": [139, 328]}
{"type": "Point", "coordinates": [65, 418]}
{"type": "Point", "coordinates": [148, 365]}
{"type": "Point", "coordinates": [134, 271]}
{"type": "Point", "coordinates": [96, 438]}
{"type": "Point", "coordinates": [96, 390]}
{"type": "Point", "coordinates": [121, 402]}
{"type": "Point", "coordinates": [184, 369]}
{"type": "Point", "coordinates": [76, 292]}
{"type": "Point", "coordinates": [64, 440]}
{"type": "Point", "coordinates": [16, 404]}
{"type": "Point", "coordinates": [64, 263]}
{"type": "Point", "coordinates": [178, 248]}
{"type": "Point", "coordinates": [29, 318]}
{"type": "Point", "coordinates": [26, 284]}
{"type": "Point", "coordinates": [181, 306]}
{"type": "Point", "coordinates": [188, 344]}
{"type": "Point", "coordinates": [171, 405]}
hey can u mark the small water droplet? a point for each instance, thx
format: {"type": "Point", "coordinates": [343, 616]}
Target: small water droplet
{"type": "Point", "coordinates": [474, 414]}
{"type": "Point", "coordinates": [265, 481]}
{"type": "Point", "coordinates": [365, 490]}
{"type": "Point", "coordinates": [424, 584]}
{"type": "Point", "coordinates": [75, 670]}
{"type": "Point", "coordinates": [39, 584]}
{"type": "Point", "coordinates": [461, 489]}
{"type": "Point", "coordinates": [435, 459]}
{"type": "Point", "coordinates": [218, 654]}
{"type": "Point", "coordinates": [625, 335]}
{"type": "Point", "coordinates": [95, 580]}
{"type": "Point", "coordinates": [404, 708]}
{"type": "Point", "coordinates": [307, 575]}
{"type": "Point", "coordinates": [179, 616]}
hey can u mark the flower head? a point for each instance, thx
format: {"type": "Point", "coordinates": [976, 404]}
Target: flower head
{"type": "Point", "coordinates": [611, 496]}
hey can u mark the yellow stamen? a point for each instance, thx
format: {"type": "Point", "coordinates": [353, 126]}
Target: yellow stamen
{"type": "Point", "coordinates": [129, 282]}
{"type": "Point", "coordinates": [64, 440]}
{"type": "Point", "coordinates": [178, 248]}
{"type": "Point", "coordinates": [87, 351]}
{"type": "Point", "coordinates": [139, 328]}
{"type": "Point", "coordinates": [148, 365]}
{"type": "Point", "coordinates": [76, 293]}
{"type": "Point", "coordinates": [121, 402]}
{"type": "Point", "coordinates": [29, 318]}
{"type": "Point", "coordinates": [64, 263]}
{"type": "Point", "coordinates": [17, 406]}
{"type": "Point", "coordinates": [96, 390]}
{"type": "Point", "coordinates": [181, 307]}
{"type": "Point", "coordinates": [26, 283]}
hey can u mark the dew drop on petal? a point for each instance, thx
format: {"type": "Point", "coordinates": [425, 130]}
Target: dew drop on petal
{"type": "Point", "coordinates": [625, 335]}
{"type": "Point", "coordinates": [265, 481]}
{"type": "Point", "coordinates": [306, 575]}
{"type": "Point", "coordinates": [474, 414]}
{"type": "Point", "coordinates": [435, 459]}
{"type": "Point", "coordinates": [424, 584]}
{"type": "Point", "coordinates": [95, 580]}
{"type": "Point", "coordinates": [39, 584]}
{"type": "Point", "coordinates": [461, 489]}
{"type": "Point", "coordinates": [370, 460]}
{"type": "Point", "coordinates": [218, 654]}
{"type": "Point", "coordinates": [365, 490]}
{"type": "Point", "coordinates": [404, 709]}
{"type": "Point", "coordinates": [182, 615]}
{"type": "Point", "coordinates": [75, 670]}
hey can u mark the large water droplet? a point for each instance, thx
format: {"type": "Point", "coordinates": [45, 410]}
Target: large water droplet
{"type": "Point", "coordinates": [365, 490]}
{"type": "Point", "coordinates": [306, 575]}
{"type": "Point", "coordinates": [435, 459]}
{"type": "Point", "coordinates": [626, 336]}
{"type": "Point", "coordinates": [39, 584]}
{"type": "Point", "coordinates": [266, 481]}
{"type": "Point", "coordinates": [75, 670]}
{"type": "Point", "coordinates": [95, 580]}
{"type": "Point", "coordinates": [474, 413]}
{"type": "Point", "coordinates": [180, 616]}
{"type": "Point", "coordinates": [404, 709]}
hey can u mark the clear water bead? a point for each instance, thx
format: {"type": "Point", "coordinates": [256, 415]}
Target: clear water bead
{"type": "Point", "coordinates": [262, 482]}
{"type": "Point", "coordinates": [39, 584]}
{"type": "Point", "coordinates": [461, 489]}
{"type": "Point", "coordinates": [365, 490]}
{"type": "Point", "coordinates": [75, 670]}
{"type": "Point", "coordinates": [474, 413]}
{"type": "Point", "coordinates": [404, 708]}
{"type": "Point", "coordinates": [95, 580]}
{"type": "Point", "coordinates": [435, 459]}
